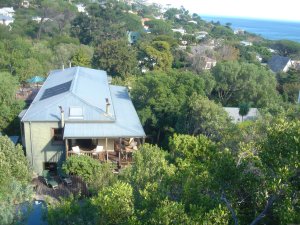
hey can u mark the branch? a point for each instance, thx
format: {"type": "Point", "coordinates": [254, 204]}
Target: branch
{"type": "Point", "coordinates": [223, 198]}
{"type": "Point", "coordinates": [270, 202]}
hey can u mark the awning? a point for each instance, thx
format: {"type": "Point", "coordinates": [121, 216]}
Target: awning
{"type": "Point", "coordinates": [101, 130]}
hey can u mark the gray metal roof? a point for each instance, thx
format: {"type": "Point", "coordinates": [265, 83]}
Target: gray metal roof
{"type": "Point", "coordinates": [277, 63]}
{"type": "Point", "coordinates": [88, 89]}
{"type": "Point", "coordinates": [233, 113]}
{"type": "Point", "coordinates": [127, 123]}
{"type": "Point", "coordinates": [6, 18]}
{"type": "Point", "coordinates": [86, 96]}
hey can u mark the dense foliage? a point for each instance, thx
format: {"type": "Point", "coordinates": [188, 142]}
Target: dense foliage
{"type": "Point", "coordinates": [15, 175]}
{"type": "Point", "coordinates": [210, 171]}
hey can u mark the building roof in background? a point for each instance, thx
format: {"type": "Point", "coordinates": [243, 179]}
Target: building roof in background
{"type": "Point", "coordinates": [233, 113]}
{"type": "Point", "coordinates": [277, 63]}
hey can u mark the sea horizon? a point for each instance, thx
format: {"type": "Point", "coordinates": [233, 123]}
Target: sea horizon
{"type": "Point", "coordinates": [272, 29]}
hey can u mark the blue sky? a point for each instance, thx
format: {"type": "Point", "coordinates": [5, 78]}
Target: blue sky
{"type": "Point", "coordinates": [265, 9]}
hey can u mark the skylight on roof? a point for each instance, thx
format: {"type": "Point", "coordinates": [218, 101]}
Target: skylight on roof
{"type": "Point", "coordinates": [56, 90]}
{"type": "Point", "coordinates": [76, 112]}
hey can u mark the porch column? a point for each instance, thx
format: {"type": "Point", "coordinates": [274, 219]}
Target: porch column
{"type": "Point", "coordinates": [120, 149]}
{"type": "Point", "coordinates": [143, 140]}
{"type": "Point", "coordinates": [106, 149]}
{"type": "Point", "coordinates": [67, 147]}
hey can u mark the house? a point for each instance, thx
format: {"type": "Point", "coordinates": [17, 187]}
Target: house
{"type": "Point", "coordinates": [81, 8]}
{"type": "Point", "coordinates": [7, 11]}
{"type": "Point", "coordinates": [209, 63]}
{"type": "Point", "coordinates": [233, 113]}
{"type": "Point", "coordinates": [180, 30]}
{"type": "Point", "coordinates": [6, 20]}
{"type": "Point", "coordinates": [75, 112]}
{"type": "Point", "coordinates": [239, 32]}
{"type": "Point", "coordinates": [246, 43]}
{"type": "Point", "coordinates": [200, 35]}
{"type": "Point", "coordinates": [279, 63]}
{"type": "Point", "coordinates": [25, 4]}
{"type": "Point", "coordinates": [132, 36]}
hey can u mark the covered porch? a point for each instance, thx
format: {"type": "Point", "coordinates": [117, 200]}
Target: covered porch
{"type": "Point", "coordinates": [117, 150]}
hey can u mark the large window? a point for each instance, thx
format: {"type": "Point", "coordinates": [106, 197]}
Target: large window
{"type": "Point", "coordinates": [57, 135]}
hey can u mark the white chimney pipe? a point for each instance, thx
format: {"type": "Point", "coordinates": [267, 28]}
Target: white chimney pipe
{"type": "Point", "coordinates": [63, 66]}
{"type": "Point", "coordinates": [70, 64]}
{"type": "Point", "coordinates": [62, 117]}
{"type": "Point", "coordinates": [107, 105]}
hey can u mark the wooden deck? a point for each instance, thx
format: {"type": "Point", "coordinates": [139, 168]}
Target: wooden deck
{"type": "Point", "coordinates": [124, 159]}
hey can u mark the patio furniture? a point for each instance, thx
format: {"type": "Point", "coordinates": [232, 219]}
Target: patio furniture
{"type": "Point", "coordinates": [76, 150]}
{"type": "Point", "coordinates": [64, 177]}
{"type": "Point", "coordinates": [50, 182]}
{"type": "Point", "coordinates": [97, 151]}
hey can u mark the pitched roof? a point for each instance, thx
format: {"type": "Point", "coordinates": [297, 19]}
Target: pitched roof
{"type": "Point", "coordinates": [76, 86]}
{"type": "Point", "coordinates": [127, 123]}
{"type": "Point", "coordinates": [82, 93]}
{"type": "Point", "coordinates": [277, 63]}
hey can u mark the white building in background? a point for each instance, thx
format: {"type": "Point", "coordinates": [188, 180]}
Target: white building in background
{"type": "Point", "coordinates": [6, 20]}
{"type": "Point", "coordinates": [180, 30]}
{"type": "Point", "coordinates": [7, 11]}
{"type": "Point", "coordinates": [233, 113]}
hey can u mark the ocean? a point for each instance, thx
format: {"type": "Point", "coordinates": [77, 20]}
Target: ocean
{"type": "Point", "coordinates": [269, 29]}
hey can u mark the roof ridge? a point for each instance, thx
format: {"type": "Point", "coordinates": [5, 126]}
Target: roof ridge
{"type": "Point", "coordinates": [95, 107]}
{"type": "Point", "coordinates": [74, 80]}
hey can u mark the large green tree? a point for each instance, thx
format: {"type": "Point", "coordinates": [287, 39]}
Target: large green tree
{"type": "Point", "coordinates": [116, 57]}
{"type": "Point", "coordinates": [237, 82]}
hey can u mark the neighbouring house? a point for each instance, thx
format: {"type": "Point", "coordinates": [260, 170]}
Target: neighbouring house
{"type": "Point", "coordinates": [193, 21]}
{"type": "Point", "coordinates": [279, 63]}
{"type": "Point", "coordinates": [81, 8]}
{"type": "Point", "coordinates": [133, 36]}
{"type": "Point", "coordinates": [38, 19]}
{"type": "Point", "coordinates": [246, 43]}
{"type": "Point", "coordinates": [239, 32]}
{"type": "Point", "coordinates": [296, 64]}
{"type": "Point", "coordinates": [77, 112]}
{"type": "Point", "coordinates": [25, 4]}
{"type": "Point", "coordinates": [180, 30]}
{"type": "Point", "coordinates": [200, 35]}
{"type": "Point", "coordinates": [6, 20]}
{"type": "Point", "coordinates": [209, 63]}
{"type": "Point", "coordinates": [7, 11]}
{"type": "Point", "coordinates": [233, 113]}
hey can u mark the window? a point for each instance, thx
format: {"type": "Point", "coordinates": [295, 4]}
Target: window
{"type": "Point", "coordinates": [57, 135]}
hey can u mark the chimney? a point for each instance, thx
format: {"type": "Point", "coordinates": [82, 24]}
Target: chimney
{"type": "Point", "coordinates": [70, 64]}
{"type": "Point", "coordinates": [63, 66]}
{"type": "Point", "coordinates": [107, 105]}
{"type": "Point", "coordinates": [62, 117]}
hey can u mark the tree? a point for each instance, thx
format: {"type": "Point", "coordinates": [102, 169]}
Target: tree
{"type": "Point", "coordinates": [160, 98]}
{"type": "Point", "coordinates": [204, 117]}
{"type": "Point", "coordinates": [115, 204]}
{"type": "Point", "coordinates": [157, 55]}
{"type": "Point", "coordinates": [116, 57]}
{"type": "Point", "coordinates": [96, 175]}
{"type": "Point", "coordinates": [9, 106]}
{"type": "Point", "coordinates": [159, 27]}
{"type": "Point", "coordinates": [15, 176]}
{"type": "Point", "coordinates": [82, 57]}
{"type": "Point", "coordinates": [244, 109]}
{"type": "Point", "coordinates": [244, 82]}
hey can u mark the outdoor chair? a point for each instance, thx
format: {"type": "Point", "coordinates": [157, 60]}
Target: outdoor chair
{"type": "Point", "coordinates": [76, 150]}
{"type": "Point", "coordinates": [50, 182]}
{"type": "Point", "coordinates": [97, 151]}
{"type": "Point", "coordinates": [64, 177]}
